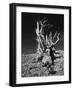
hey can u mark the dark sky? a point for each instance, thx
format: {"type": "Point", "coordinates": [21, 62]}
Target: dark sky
{"type": "Point", "coordinates": [29, 20]}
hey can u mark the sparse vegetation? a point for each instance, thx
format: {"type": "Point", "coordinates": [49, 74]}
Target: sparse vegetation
{"type": "Point", "coordinates": [32, 68]}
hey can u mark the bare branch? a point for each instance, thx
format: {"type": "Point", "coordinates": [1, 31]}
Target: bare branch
{"type": "Point", "coordinates": [45, 21]}
{"type": "Point", "coordinates": [50, 39]}
{"type": "Point", "coordinates": [50, 36]}
{"type": "Point", "coordinates": [39, 40]}
{"type": "Point", "coordinates": [57, 39]}
{"type": "Point", "coordinates": [44, 25]}
{"type": "Point", "coordinates": [37, 29]}
{"type": "Point", "coordinates": [54, 35]}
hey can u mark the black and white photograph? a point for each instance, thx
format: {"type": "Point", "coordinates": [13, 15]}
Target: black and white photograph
{"type": "Point", "coordinates": [40, 44]}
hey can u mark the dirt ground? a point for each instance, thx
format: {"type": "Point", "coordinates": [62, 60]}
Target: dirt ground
{"type": "Point", "coordinates": [33, 68]}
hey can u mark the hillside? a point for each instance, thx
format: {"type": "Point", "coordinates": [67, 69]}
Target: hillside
{"type": "Point", "coordinates": [33, 68]}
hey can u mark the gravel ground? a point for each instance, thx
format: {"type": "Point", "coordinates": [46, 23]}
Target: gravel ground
{"type": "Point", "coordinates": [33, 68]}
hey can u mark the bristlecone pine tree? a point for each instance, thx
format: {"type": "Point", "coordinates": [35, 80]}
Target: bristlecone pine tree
{"type": "Point", "coordinates": [45, 48]}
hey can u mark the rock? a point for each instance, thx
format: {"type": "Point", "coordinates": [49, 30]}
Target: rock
{"type": "Point", "coordinates": [46, 59]}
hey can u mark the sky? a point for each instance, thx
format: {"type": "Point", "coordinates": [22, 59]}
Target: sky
{"type": "Point", "coordinates": [29, 43]}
